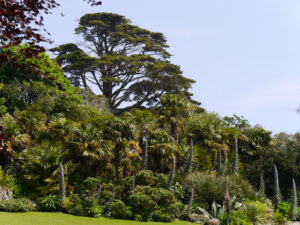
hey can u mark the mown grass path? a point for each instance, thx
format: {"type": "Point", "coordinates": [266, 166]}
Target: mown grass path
{"type": "Point", "coordinates": [38, 218]}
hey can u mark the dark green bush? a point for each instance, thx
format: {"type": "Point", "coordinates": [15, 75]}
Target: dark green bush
{"type": "Point", "coordinates": [159, 216]}
{"type": "Point", "coordinates": [74, 205]}
{"type": "Point", "coordinates": [49, 203]}
{"type": "Point", "coordinates": [148, 178]}
{"type": "Point", "coordinates": [119, 210]}
{"type": "Point", "coordinates": [144, 200]}
{"type": "Point", "coordinates": [94, 210]}
{"type": "Point", "coordinates": [83, 206]}
{"type": "Point", "coordinates": [17, 205]}
{"type": "Point", "coordinates": [175, 209]}
{"type": "Point", "coordinates": [145, 178]}
{"type": "Point", "coordinates": [142, 205]}
{"type": "Point", "coordinates": [285, 209]}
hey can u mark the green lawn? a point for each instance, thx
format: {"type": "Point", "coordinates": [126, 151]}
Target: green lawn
{"type": "Point", "coordinates": [37, 218]}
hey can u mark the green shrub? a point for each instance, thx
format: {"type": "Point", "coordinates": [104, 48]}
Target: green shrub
{"type": "Point", "coordinates": [142, 205]}
{"type": "Point", "coordinates": [145, 178]}
{"type": "Point", "coordinates": [94, 210]}
{"type": "Point", "coordinates": [144, 200]}
{"type": "Point", "coordinates": [17, 205]}
{"type": "Point", "coordinates": [210, 188]}
{"type": "Point", "coordinates": [236, 218]}
{"type": "Point", "coordinates": [74, 205]}
{"type": "Point", "coordinates": [49, 203]}
{"type": "Point", "coordinates": [286, 210]}
{"type": "Point", "coordinates": [148, 178]}
{"type": "Point", "coordinates": [175, 209]}
{"type": "Point", "coordinates": [279, 219]}
{"type": "Point", "coordinates": [9, 182]}
{"type": "Point", "coordinates": [119, 210]}
{"type": "Point", "coordinates": [159, 216]}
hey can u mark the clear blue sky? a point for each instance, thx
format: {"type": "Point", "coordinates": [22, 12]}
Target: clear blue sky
{"type": "Point", "coordinates": [244, 55]}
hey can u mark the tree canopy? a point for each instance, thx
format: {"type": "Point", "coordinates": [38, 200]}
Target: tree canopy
{"type": "Point", "coordinates": [17, 18]}
{"type": "Point", "coordinates": [129, 65]}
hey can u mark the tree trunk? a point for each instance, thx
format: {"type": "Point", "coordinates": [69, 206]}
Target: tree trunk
{"type": "Point", "coordinates": [107, 90]}
{"type": "Point", "coordinates": [174, 129]}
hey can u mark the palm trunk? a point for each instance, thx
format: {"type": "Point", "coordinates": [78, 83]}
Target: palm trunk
{"type": "Point", "coordinates": [174, 129]}
{"type": "Point", "coordinates": [145, 156]}
{"type": "Point", "coordinates": [62, 183]}
{"type": "Point", "coordinates": [190, 161]}
{"type": "Point", "coordinates": [172, 173]}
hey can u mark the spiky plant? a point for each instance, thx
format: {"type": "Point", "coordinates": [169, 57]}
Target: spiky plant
{"type": "Point", "coordinates": [189, 164]}
{"type": "Point", "coordinates": [220, 166]}
{"type": "Point", "coordinates": [294, 210]}
{"type": "Point", "coordinates": [172, 173]}
{"type": "Point", "coordinates": [145, 156]}
{"type": "Point", "coordinates": [261, 190]}
{"type": "Point", "coordinates": [191, 199]}
{"type": "Point", "coordinates": [227, 201]}
{"type": "Point", "coordinates": [62, 183]}
{"type": "Point", "coordinates": [277, 199]}
{"type": "Point", "coordinates": [226, 166]}
{"type": "Point", "coordinates": [236, 158]}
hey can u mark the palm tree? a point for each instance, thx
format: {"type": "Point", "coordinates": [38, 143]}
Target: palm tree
{"type": "Point", "coordinates": [124, 136]}
{"type": "Point", "coordinates": [210, 135]}
{"type": "Point", "coordinates": [88, 149]}
{"type": "Point", "coordinates": [161, 149]}
{"type": "Point", "coordinates": [173, 109]}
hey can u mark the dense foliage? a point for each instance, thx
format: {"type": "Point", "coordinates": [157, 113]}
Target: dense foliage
{"type": "Point", "coordinates": [68, 149]}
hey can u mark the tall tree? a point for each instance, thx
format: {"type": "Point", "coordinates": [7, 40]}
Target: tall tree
{"type": "Point", "coordinates": [127, 64]}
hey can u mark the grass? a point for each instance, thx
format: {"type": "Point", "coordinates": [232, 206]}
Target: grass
{"type": "Point", "coordinates": [38, 218]}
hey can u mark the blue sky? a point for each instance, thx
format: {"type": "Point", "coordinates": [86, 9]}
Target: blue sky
{"type": "Point", "coordinates": [244, 55]}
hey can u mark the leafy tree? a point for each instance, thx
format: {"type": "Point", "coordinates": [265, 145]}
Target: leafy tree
{"type": "Point", "coordinates": [37, 68]}
{"type": "Point", "coordinates": [127, 64]}
{"type": "Point", "coordinates": [17, 18]}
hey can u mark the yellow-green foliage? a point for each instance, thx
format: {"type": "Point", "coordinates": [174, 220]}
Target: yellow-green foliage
{"type": "Point", "coordinates": [257, 212]}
